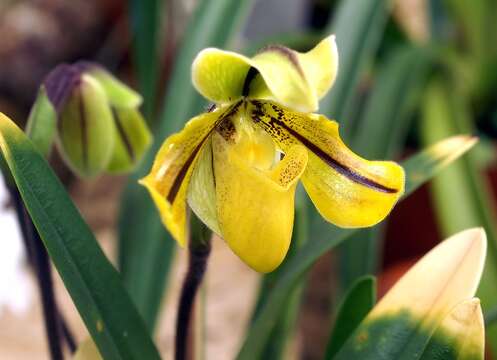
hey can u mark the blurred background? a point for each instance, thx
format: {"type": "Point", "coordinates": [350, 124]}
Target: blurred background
{"type": "Point", "coordinates": [411, 72]}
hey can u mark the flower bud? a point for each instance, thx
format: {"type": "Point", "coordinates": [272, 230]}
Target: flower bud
{"type": "Point", "coordinates": [131, 141]}
{"type": "Point", "coordinates": [85, 129]}
{"type": "Point", "coordinates": [118, 94]}
{"type": "Point", "coordinates": [99, 127]}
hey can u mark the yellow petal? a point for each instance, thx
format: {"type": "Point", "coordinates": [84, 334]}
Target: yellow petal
{"type": "Point", "coordinates": [219, 75]}
{"type": "Point", "coordinates": [202, 192]}
{"type": "Point", "coordinates": [321, 65]}
{"type": "Point", "coordinates": [297, 80]}
{"type": "Point", "coordinates": [256, 207]}
{"type": "Point", "coordinates": [285, 79]}
{"type": "Point", "coordinates": [444, 277]}
{"type": "Point", "coordinates": [168, 181]}
{"type": "Point", "coordinates": [258, 151]}
{"type": "Point", "coordinates": [347, 190]}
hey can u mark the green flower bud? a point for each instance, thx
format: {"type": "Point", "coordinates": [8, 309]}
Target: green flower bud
{"type": "Point", "coordinates": [99, 127]}
{"type": "Point", "coordinates": [119, 95]}
{"type": "Point", "coordinates": [132, 139]}
{"type": "Point", "coordinates": [42, 123]}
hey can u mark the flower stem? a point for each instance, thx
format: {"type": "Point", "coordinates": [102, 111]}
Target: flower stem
{"type": "Point", "coordinates": [199, 323]}
{"type": "Point", "coordinates": [55, 326]}
{"type": "Point", "coordinates": [199, 250]}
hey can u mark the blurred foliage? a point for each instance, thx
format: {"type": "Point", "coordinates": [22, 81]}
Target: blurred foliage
{"type": "Point", "coordinates": [393, 93]}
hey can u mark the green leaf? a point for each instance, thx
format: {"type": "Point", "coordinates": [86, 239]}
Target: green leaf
{"type": "Point", "coordinates": [357, 303]}
{"type": "Point", "coordinates": [358, 27]}
{"type": "Point", "coordinates": [381, 131]}
{"type": "Point", "coordinates": [461, 186]}
{"type": "Point", "coordinates": [419, 169]}
{"type": "Point", "coordinates": [418, 318]}
{"type": "Point", "coordinates": [477, 22]}
{"type": "Point", "coordinates": [145, 248]}
{"type": "Point", "coordinates": [145, 19]}
{"type": "Point", "coordinates": [92, 282]}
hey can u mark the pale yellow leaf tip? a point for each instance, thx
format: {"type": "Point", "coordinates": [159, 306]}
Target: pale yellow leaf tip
{"type": "Point", "coordinates": [448, 274]}
{"type": "Point", "coordinates": [453, 147]}
{"type": "Point", "coordinates": [463, 316]}
{"type": "Point", "coordinates": [464, 329]}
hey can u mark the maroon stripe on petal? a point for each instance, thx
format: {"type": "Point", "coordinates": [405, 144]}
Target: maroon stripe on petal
{"type": "Point", "coordinates": [60, 83]}
{"type": "Point", "coordinates": [343, 169]}
{"type": "Point", "coordinates": [173, 192]}
{"type": "Point", "coordinates": [122, 133]}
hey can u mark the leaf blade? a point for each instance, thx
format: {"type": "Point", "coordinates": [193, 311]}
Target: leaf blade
{"type": "Point", "coordinates": [357, 303]}
{"type": "Point", "coordinates": [446, 112]}
{"type": "Point", "coordinates": [91, 280]}
{"type": "Point", "coordinates": [357, 42]}
{"type": "Point", "coordinates": [145, 22]}
{"type": "Point", "coordinates": [414, 308]}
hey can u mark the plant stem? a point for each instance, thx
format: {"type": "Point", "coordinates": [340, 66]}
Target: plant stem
{"type": "Point", "coordinates": [199, 250]}
{"type": "Point", "coordinates": [199, 323]}
{"type": "Point", "coordinates": [55, 326]}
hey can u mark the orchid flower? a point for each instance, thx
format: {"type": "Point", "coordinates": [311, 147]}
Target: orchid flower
{"type": "Point", "coordinates": [237, 165]}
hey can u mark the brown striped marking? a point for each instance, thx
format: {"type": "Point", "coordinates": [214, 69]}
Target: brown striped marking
{"type": "Point", "coordinates": [123, 135]}
{"type": "Point", "coordinates": [171, 196]}
{"type": "Point", "coordinates": [333, 163]}
{"type": "Point", "coordinates": [286, 52]}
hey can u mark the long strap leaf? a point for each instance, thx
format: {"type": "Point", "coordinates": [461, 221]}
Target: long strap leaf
{"type": "Point", "coordinates": [92, 282]}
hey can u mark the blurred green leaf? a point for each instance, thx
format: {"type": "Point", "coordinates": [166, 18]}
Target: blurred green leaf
{"type": "Point", "coordinates": [214, 23]}
{"type": "Point", "coordinates": [419, 169]}
{"type": "Point", "coordinates": [358, 26]}
{"type": "Point", "coordinates": [92, 282]}
{"type": "Point", "coordinates": [478, 25]}
{"type": "Point", "coordinates": [380, 134]}
{"type": "Point", "coordinates": [460, 193]}
{"type": "Point", "coordinates": [145, 248]}
{"type": "Point", "coordinates": [475, 46]}
{"type": "Point", "coordinates": [357, 303]}
{"type": "Point", "coordinates": [145, 18]}
{"type": "Point", "coordinates": [439, 21]}
{"type": "Point", "coordinates": [484, 154]}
